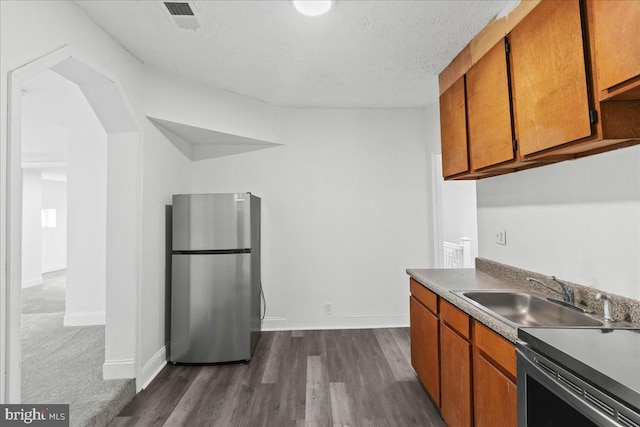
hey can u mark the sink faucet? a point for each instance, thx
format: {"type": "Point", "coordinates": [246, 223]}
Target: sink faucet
{"type": "Point", "coordinates": [607, 307]}
{"type": "Point", "coordinates": [567, 292]}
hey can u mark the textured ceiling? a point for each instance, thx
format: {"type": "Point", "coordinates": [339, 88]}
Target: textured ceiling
{"type": "Point", "coordinates": [361, 54]}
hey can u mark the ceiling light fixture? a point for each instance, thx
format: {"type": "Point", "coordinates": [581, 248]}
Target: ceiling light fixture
{"type": "Point", "coordinates": [312, 7]}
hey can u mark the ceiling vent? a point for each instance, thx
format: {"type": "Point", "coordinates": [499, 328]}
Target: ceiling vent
{"type": "Point", "coordinates": [179, 9]}
{"type": "Point", "coordinates": [183, 15]}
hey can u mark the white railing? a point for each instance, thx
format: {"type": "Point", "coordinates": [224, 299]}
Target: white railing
{"type": "Point", "coordinates": [458, 256]}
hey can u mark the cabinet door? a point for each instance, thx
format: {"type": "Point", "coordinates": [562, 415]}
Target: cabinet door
{"type": "Point", "coordinates": [617, 41]}
{"type": "Point", "coordinates": [489, 110]}
{"type": "Point", "coordinates": [455, 374]}
{"type": "Point", "coordinates": [494, 395]}
{"type": "Point", "coordinates": [424, 348]}
{"type": "Point", "coordinates": [453, 130]}
{"type": "Point", "coordinates": [551, 104]}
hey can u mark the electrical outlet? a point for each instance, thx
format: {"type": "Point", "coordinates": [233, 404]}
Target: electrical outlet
{"type": "Point", "coordinates": [501, 237]}
{"type": "Point", "coordinates": [328, 309]}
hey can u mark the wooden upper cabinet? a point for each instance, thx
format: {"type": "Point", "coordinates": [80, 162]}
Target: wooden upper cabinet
{"type": "Point", "coordinates": [617, 41]}
{"type": "Point", "coordinates": [453, 130]}
{"type": "Point", "coordinates": [489, 110]}
{"type": "Point", "coordinates": [550, 95]}
{"type": "Point", "coordinates": [568, 87]}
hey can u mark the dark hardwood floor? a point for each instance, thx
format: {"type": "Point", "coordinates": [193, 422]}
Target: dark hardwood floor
{"type": "Point", "coordinates": [357, 377]}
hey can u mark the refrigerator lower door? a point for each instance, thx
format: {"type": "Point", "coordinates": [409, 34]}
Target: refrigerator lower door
{"type": "Point", "coordinates": [210, 308]}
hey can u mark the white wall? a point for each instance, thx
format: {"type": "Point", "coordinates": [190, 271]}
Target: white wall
{"type": "Point", "coordinates": [184, 101]}
{"type": "Point", "coordinates": [345, 200]}
{"type": "Point", "coordinates": [41, 141]}
{"type": "Point", "coordinates": [166, 172]}
{"type": "Point", "coordinates": [578, 220]}
{"type": "Point", "coordinates": [30, 30]}
{"type": "Point", "coordinates": [31, 228]}
{"type": "Point", "coordinates": [59, 125]}
{"type": "Point", "coordinates": [44, 140]}
{"type": "Point", "coordinates": [434, 217]}
{"type": "Point", "coordinates": [345, 212]}
{"type": "Point", "coordinates": [87, 218]}
{"type": "Point", "coordinates": [54, 240]}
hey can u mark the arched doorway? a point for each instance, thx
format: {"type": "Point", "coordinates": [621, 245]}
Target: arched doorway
{"type": "Point", "coordinates": [103, 93]}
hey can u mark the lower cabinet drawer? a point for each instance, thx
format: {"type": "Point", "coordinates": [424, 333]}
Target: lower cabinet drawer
{"type": "Point", "coordinates": [424, 295]}
{"type": "Point", "coordinates": [457, 319]}
{"type": "Point", "coordinates": [497, 348]}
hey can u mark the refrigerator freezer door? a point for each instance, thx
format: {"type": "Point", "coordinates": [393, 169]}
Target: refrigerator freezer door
{"type": "Point", "coordinates": [210, 308]}
{"type": "Point", "coordinates": [211, 222]}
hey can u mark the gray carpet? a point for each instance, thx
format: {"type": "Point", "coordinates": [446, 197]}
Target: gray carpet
{"type": "Point", "coordinates": [64, 364]}
{"type": "Point", "coordinates": [45, 298]}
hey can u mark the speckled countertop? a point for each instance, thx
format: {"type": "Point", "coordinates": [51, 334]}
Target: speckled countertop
{"type": "Point", "coordinates": [492, 275]}
{"type": "Point", "coordinates": [443, 281]}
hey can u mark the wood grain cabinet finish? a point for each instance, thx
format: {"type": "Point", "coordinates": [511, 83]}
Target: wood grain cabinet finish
{"type": "Point", "coordinates": [573, 78]}
{"type": "Point", "coordinates": [424, 296]}
{"type": "Point", "coordinates": [617, 46]}
{"type": "Point", "coordinates": [551, 101]}
{"type": "Point", "coordinates": [453, 130]}
{"type": "Point", "coordinates": [498, 349]}
{"type": "Point", "coordinates": [494, 395]}
{"type": "Point", "coordinates": [455, 375]}
{"type": "Point", "coordinates": [455, 318]}
{"type": "Point", "coordinates": [468, 370]}
{"type": "Point", "coordinates": [425, 347]}
{"type": "Point", "coordinates": [489, 110]}
{"type": "Point", "coordinates": [494, 379]}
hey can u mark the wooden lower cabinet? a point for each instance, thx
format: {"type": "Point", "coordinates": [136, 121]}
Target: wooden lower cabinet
{"type": "Point", "coordinates": [455, 374]}
{"type": "Point", "coordinates": [425, 344]}
{"type": "Point", "coordinates": [468, 369]}
{"type": "Point", "coordinates": [494, 395]}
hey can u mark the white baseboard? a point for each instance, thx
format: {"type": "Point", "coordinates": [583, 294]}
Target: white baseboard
{"type": "Point", "coordinates": [274, 324]}
{"type": "Point", "coordinates": [84, 319]}
{"type": "Point", "coordinates": [33, 282]}
{"type": "Point", "coordinates": [369, 321]}
{"type": "Point", "coordinates": [338, 322]}
{"type": "Point", "coordinates": [153, 367]}
{"type": "Point", "coordinates": [118, 369]}
{"type": "Point", "coordinates": [52, 268]}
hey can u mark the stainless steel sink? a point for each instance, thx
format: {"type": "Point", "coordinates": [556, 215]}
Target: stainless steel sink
{"type": "Point", "coordinates": [525, 309]}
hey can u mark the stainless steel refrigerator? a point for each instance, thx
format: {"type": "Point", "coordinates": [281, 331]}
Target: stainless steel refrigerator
{"type": "Point", "coordinates": [215, 277]}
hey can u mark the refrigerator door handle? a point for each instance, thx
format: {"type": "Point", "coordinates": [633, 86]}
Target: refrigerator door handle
{"type": "Point", "coordinates": [213, 252]}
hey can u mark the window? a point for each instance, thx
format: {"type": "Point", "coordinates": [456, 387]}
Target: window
{"type": "Point", "coordinates": [48, 218]}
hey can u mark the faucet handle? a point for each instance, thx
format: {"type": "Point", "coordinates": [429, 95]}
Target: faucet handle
{"type": "Point", "coordinates": [607, 307]}
{"type": "Point", "coordinates": [569, 294]}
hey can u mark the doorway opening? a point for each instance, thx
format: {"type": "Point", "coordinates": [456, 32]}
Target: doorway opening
{"type": "Point", "coordinates": [64, 175]}
{"type": "Point", "coordinates": [109, 178]}
{"type": "Point", "coordinates": [455, 220]}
